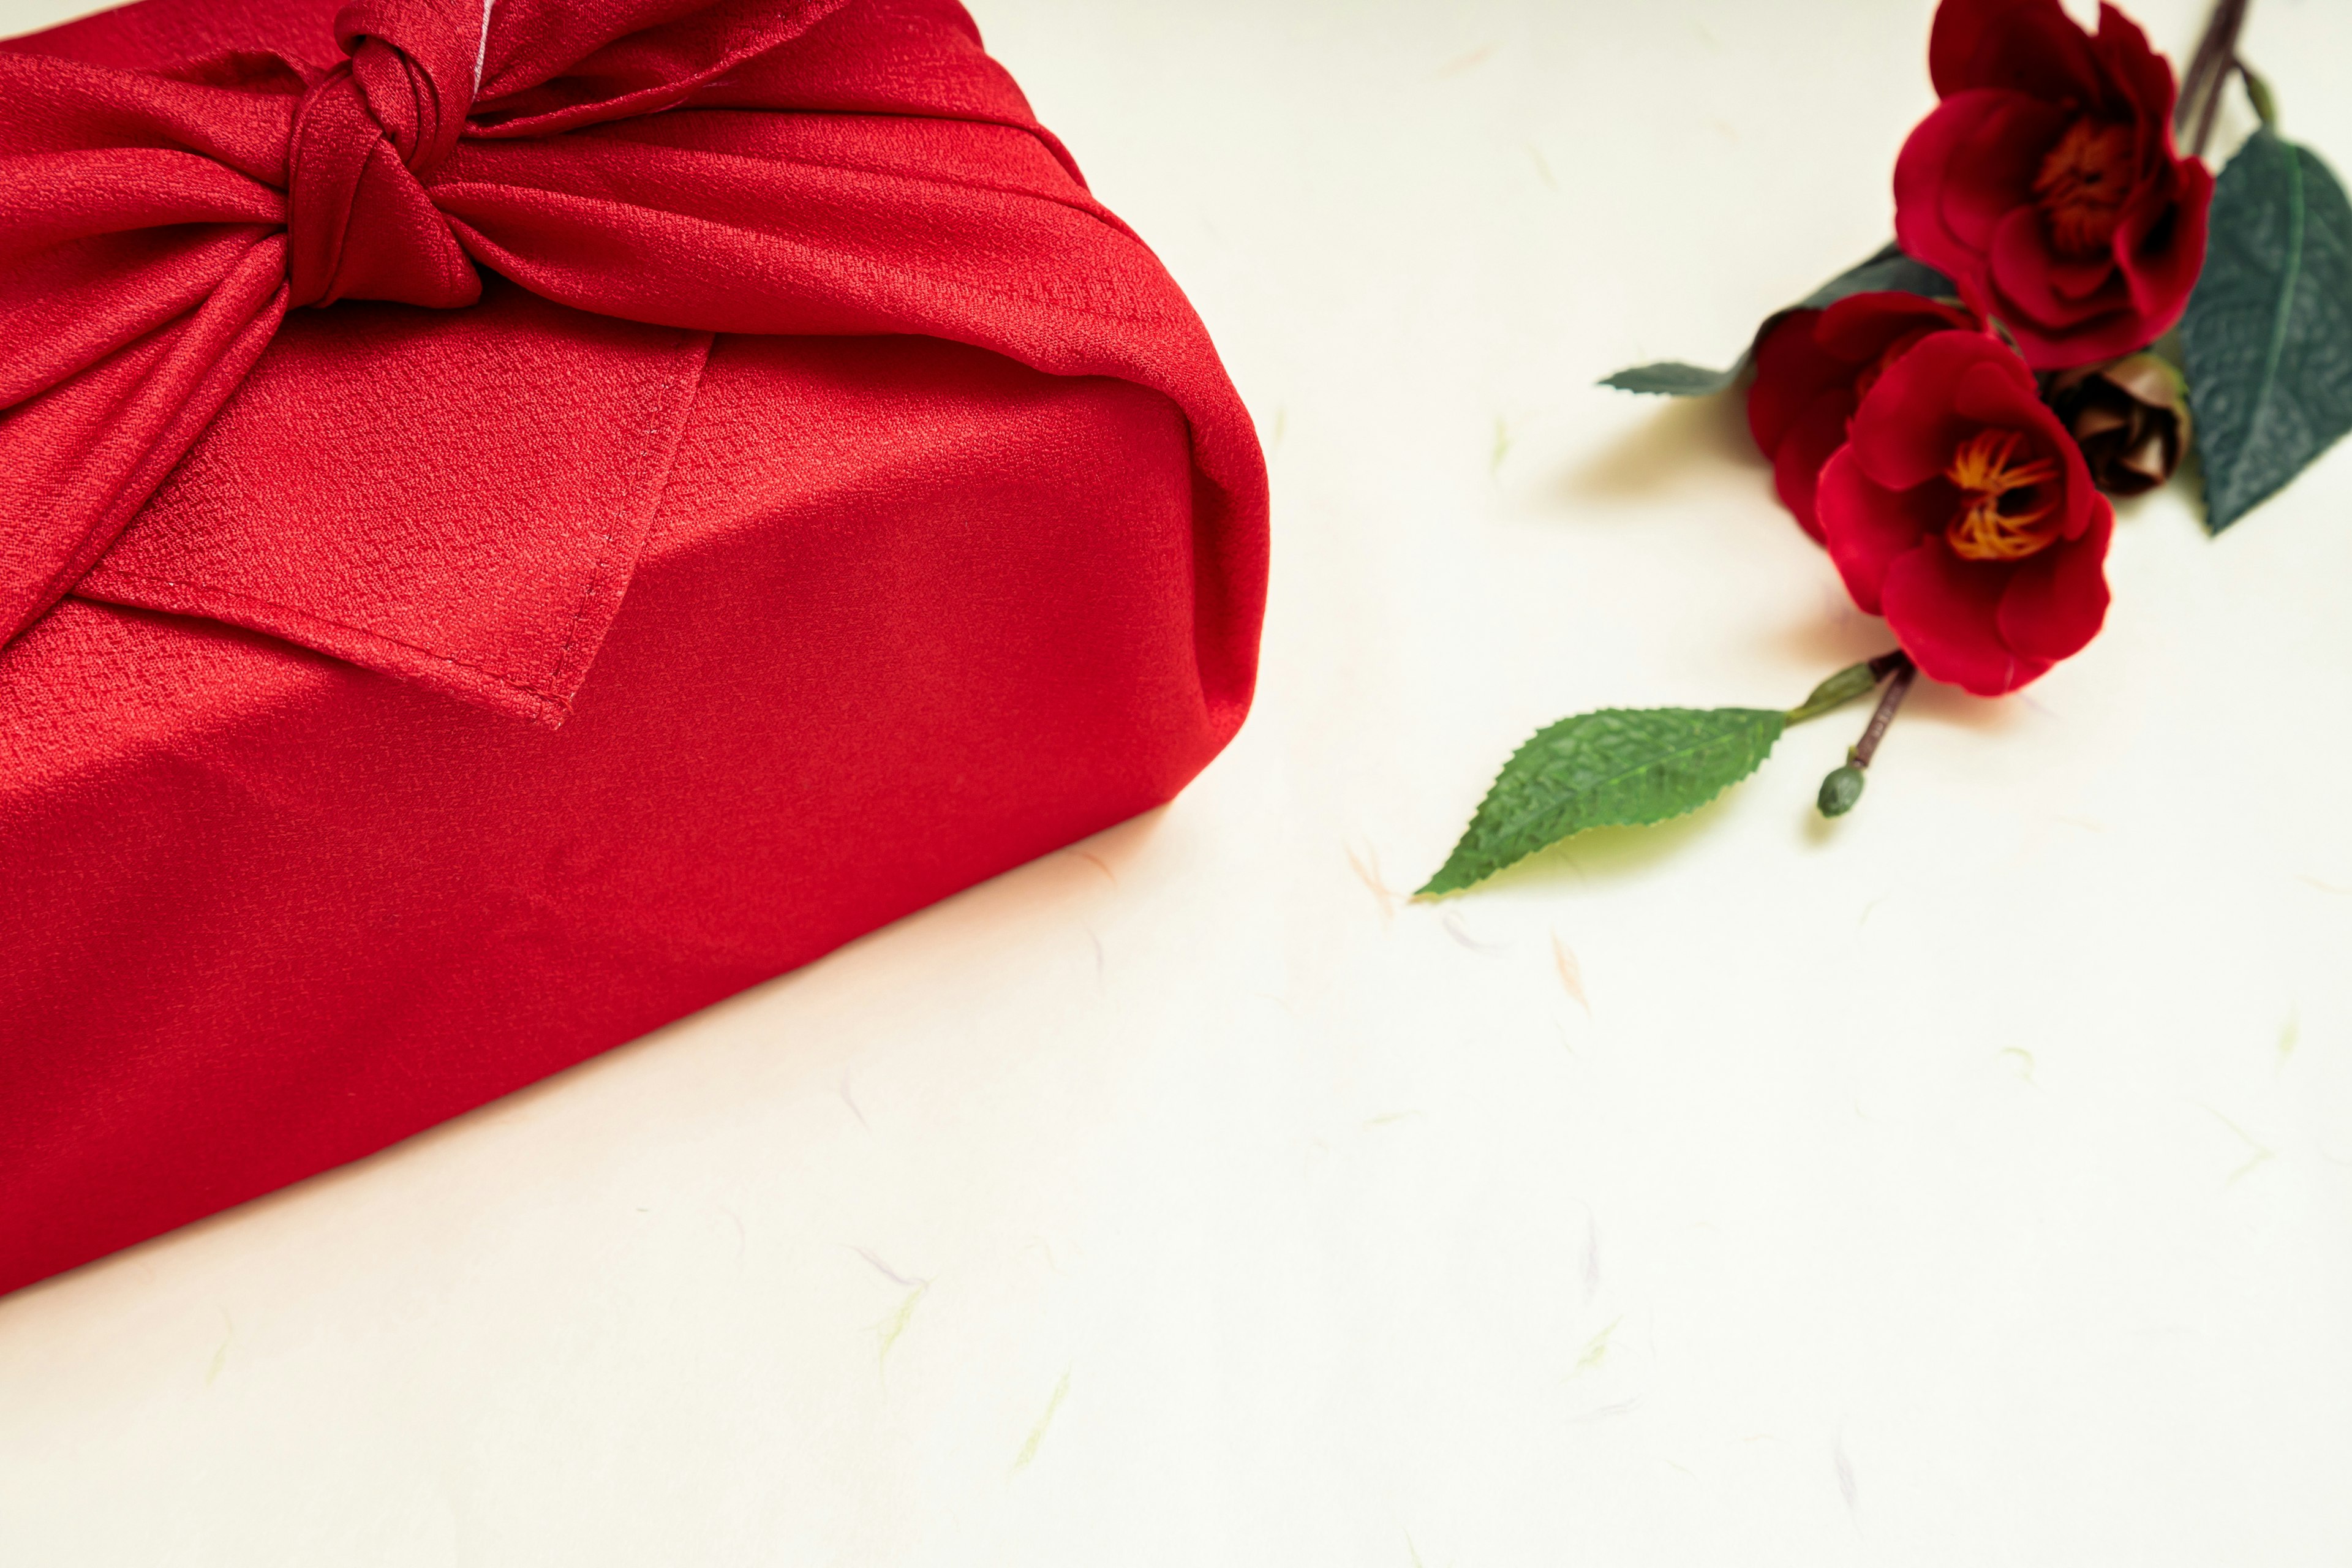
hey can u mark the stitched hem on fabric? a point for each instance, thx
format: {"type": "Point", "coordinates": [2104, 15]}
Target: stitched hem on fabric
{"type": "Point", "coordinates": [546, 702]}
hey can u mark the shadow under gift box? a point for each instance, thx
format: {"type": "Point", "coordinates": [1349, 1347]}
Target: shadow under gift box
{"type": "Point", "coordinates": [908, 614]}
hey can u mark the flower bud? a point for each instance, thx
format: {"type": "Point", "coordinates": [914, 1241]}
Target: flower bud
{"type": "Point", "coordinates": [2130, 418]}
{"type": "Point", "coordinates": [1840, 791]}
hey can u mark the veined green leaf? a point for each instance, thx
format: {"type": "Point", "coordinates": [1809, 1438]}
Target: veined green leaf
{"type": "Point", "coordinates": [1889, 270]}
{"type": "Point", "coordinates": [1615, 767]}
{"type": "Point", "coordinates": [2268, 333]}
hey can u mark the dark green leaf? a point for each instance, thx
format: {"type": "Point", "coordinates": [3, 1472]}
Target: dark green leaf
{"type": "Point", "coordinates": [2268, 334]}
{"type": "Point", "coordinates": [1675, 379]}
{"type": "Point", "coordinates": [1890, 268]}
{"type": "Point", "coordinates": [1618, 767]}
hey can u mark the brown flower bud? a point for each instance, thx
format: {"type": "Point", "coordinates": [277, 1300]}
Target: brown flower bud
{"type": "Point", "coordinates": [2130, 418]}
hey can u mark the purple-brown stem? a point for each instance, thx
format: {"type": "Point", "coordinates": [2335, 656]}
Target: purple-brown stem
{"type": "Point", "coordinates": [2208, 72]}
{"type": "Point", "coordinates": [1888, 701]}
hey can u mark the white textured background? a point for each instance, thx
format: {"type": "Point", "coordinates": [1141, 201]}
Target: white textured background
{"type": "Point", "coordinates": [1969, 1183]}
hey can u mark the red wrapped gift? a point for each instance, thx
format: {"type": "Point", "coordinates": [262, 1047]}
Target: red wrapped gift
{"type": "Point", "coordinates": [738, 487]}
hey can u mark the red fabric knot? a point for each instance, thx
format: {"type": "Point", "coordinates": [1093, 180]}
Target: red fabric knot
{"type": "Point", "coordinates": [359, 223]}
{"type": "Point", "coordinates": [458, 497]}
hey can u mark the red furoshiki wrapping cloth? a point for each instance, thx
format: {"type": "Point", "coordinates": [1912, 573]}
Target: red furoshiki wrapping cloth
{"type": "Point", "coordinates": [738, 486]}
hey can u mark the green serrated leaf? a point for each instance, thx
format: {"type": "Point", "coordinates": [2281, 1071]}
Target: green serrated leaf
{"type": "Point", "coordinates": [1672, 378]}
{"type": "Point", "coordinates": [1890, 268]}
{"type": "Point", "coordinates": [2268, 333]}
{"type": "Point", "coordinates": [1617, 767]}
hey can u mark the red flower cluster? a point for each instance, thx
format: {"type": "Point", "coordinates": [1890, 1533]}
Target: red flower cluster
{"type": "Point", "coordinates": [1912, 441]}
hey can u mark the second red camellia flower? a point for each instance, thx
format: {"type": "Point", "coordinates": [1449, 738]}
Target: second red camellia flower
{"type": "Point", "coordinates": [1961, 510]}
{"type": "Point", "coordinates": [2046, 182]}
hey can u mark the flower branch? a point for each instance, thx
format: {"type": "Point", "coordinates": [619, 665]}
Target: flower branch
{"type": "Point", "coordinates": [1949, 417]}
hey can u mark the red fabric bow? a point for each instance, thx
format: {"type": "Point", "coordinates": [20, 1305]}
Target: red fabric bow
{"type": "Point", "coordinates": [459, 498]}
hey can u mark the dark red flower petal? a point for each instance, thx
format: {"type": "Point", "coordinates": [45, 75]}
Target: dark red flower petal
{"type": "Point", "coordinates": [1945, 613]}
{"type": "Point", "coordinates": [2083, 505]}
{"type": "Point", "coordinates": [1905, 431]}
{"type": "Point", "coordinates": [2134, 72]}
{"type": "Point", "coordinates": [1995, 388]}
{"type": "Point", "coordinates": [2161, 246]}
{"type": "Point", "coordinates": [2027, 44]}
{"type": "Point", "coordinates": [2056, 601]}
{"type": "Point", "coordinates": [1991, 173]}
{"type": "Point", "coordinates": [2078, 280]}
{"type": "Point", "coordinates": [1868, 527]}
{"type": "Point", "coordinates": [1791, 372]}
{"type": "Point", "coordinates": [2021, 266]}
{"type": "Point", "coordinates": [1919, 174]}
{"type": "Point", "coordinates": [1797, 465]}
{"type": "Point", "coordinates": [1860, 327]}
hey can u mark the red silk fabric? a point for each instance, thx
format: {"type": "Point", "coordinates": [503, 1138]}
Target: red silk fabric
{"type": "Point", "coordinates": [175, 178]}
{"type": "Point", "coordinates": [751, 396]}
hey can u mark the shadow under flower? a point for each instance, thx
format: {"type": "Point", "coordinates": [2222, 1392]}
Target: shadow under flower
{"type": "Point", "coordinates": [1934, 702]}
{"type": "Point", "coordinates": [1682, 434]}
{"type": "Point", "coordinates": [1840, 635]}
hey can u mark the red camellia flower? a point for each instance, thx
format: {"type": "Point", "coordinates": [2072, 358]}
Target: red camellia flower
{"type": "Point", "coordinates": [1813, 366]}
{"type": "Point", "coordinates": [1961, 510]}
{"type": "Point", "coordinates": [2046, 182]}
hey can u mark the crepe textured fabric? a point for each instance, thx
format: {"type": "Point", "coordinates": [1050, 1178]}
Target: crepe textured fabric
{"type": "Point", "coordinates": [177, 176]}
{"type": "Point", "coordinates": [786, 498]}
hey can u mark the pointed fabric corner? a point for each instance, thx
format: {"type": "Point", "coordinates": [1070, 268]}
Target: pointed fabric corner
{"type": "Point", "coordinates": [454, 498]}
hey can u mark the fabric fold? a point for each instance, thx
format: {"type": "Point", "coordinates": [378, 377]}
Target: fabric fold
{"type": "Point", "coordinates": [820, 168]}
{"type": "Point", "coordinates": [398, 488]}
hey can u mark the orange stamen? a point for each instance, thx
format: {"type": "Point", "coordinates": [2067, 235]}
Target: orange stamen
{"type": "Point", "coordinates": [2003, 516]}
{"type": "Point", "coordinates": [2082, 186]}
